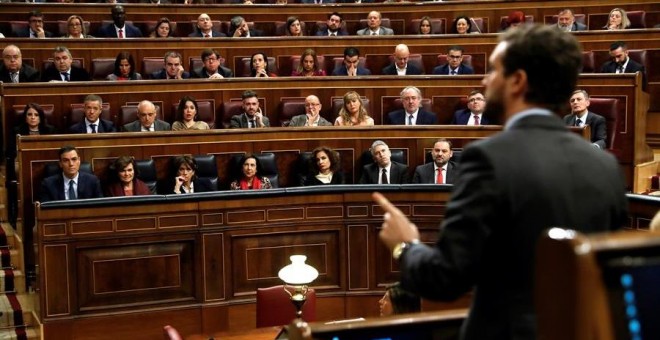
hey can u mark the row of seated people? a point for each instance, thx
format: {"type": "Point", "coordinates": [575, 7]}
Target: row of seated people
{"type": "Point", "coordinates": [374, 24]}
{"type": "Point", "coordinates": [71, 178]}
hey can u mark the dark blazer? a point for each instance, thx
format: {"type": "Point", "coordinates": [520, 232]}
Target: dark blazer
{"type": "Point", "coordinates": [337, 178]}
{"type": "Point", "coordinates": [398, 117]}
{"type": "Point", "coordinates": [501, 202]}
{"type": "Point", "coordinates": [371, 174]}
{"type": "Point", "coordinates": [444, 69]}
{"type": "Point", "coordinates": [201, 72]}
{"type": "Point", "coordinates": [214, 34]}
{"type": "Point", "coordinates": [411, 70]}
{"type": "Point", "coordinates": [76, 74]}
{"type": "Point", "coordinates": [104, 126]}
{"type": "Point", "coordinates": [25, 32]}
{"type": "Point", "coordinates": [253, 33]}
{"type": "Point", "coordinates": [136, 126]}
{"type": "Point", "coordinates": [241, 122]}
{"type": "Point", "coordinates": [461, 117]}
{"type": "Point", "coordinates": [199, 185]}
{"type": "Point", "coordinates": [425, 173]}
{"type": "Point", "coordinates": [117, 189]}
{"type": "Point", "coordinates": [577, 27]}
{"type": "Point", "coordinates": [162, 74]}
{"type": "Point", "coordinates": [324, 32]}
{"type": "Point", "coordinates": [27, 74]}
{"type": "Point", "coordinates": [597, 124]}
{"type": "Point", "coordinates": [24, 130]}
{"type": "Point", "coordinates": [52, 188]}
{"type": "Point", "coordinates": [342, 71]}
{"type": "Point", "coordinates": [632, 67]}
{"type": "Point", "coordinates": [109, 31]}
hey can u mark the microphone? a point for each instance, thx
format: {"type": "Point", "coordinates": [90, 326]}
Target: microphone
{"type": "Point", "coordinates": [474, 24]}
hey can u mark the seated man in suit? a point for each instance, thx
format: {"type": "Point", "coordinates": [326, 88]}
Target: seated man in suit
{"type": "Point", "coordinates": [92, 122]}
{"type": "Point", "coordinates": [71, 184]}
{"type": "Point", "coordinates": [35, 27]}
{"type": "Point", "coordinates": [580, 116]}
{"type": "Point", "coordinates": [63, 68]}
{"type": "Point", "coordinates": [147, 121]}
{"type": "Point", "coordinates": [172, 67]}
{"type": "Point", "coordinates": [373, 26]}
{"type": "Point", "coordinates": [205, 28]}
{"type": "Point", "coordinates": [400, 65]}
{"type": "Point", "coordinates": [412, 112]}
{"type": "Point", "coordinates": [621, 62]}
{"type": "Point", "coordinates": [441, 170]}
{"type": "Point", "coordinates": [566, 21]}
{"type": "Point", "coordinates": [239, 28]}
{"type": "Point", "coordinates": [119, 28]}
{"type": "Point", "coordinates": [350, 65]}
{"type": "Point", "coordinates": [332, 27]}
{"type": "Point", "coordinates": [454, 65]}
{"type": "Point", "coordinates": [252, 117]}
{"type": "Point", "coordinates": [474, 114]}
{"type": "Point", "coordinates": [383, 170]}
{"type": "Point", "coordinates": [13, 70]}
{"type": "Point", "coordinates": [320, 2]}
{"type": "Point", "coordinates": [212, 68]}
{"type": "Point", "coordinates": [312, 116]}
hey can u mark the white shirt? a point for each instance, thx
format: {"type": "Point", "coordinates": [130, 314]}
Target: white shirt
{"type": "Point", "coordinates": [471, 120]}
{"type": "Point", "coordinates": [66, 185]}
{"type": "Point", "coordinates": [188, 191]}
{"type": "Point", "coordinates": [414, 118]}
{"type": "Point", "coordinates": [387, 173]}
{"type": "Point", "coordinates": [146, 129]}
{"type": "Point", "coordinates": [401, 71]}
{"type": "Point", "coordinates": [89, 128]}
{"type": "Point", "coordinates": [123, 31]}
{"type": "Point", "coordinates": [623, 67]}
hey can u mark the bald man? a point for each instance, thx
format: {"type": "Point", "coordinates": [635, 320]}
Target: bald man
{"type": "Point", "coordinates": [13, 70]}
{"type": "Point", "coordinates": [205, 28]}
{"type": "Point", "coordinates": [374, 27]}
{"type": "Point", "coordinates": [312, 116]}
{"type": "Point", "coordinates": [146, 120]}
{"type": "Point", "coordinates": [400, 65]}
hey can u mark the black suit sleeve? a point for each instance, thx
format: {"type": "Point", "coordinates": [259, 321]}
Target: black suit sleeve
{"type": "Point", "coordinates": [599, 131]}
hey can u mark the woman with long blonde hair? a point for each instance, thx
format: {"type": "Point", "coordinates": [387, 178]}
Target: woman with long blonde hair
{"type": "Point", "coordinates": [353, 112]}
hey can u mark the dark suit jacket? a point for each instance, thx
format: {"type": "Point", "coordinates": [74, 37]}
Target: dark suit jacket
{"type": "Point", "coordinates": [371, 174]}
{"type": "Point", "coordinates": [241, 122]}
{"type": "Point", "coordinates": [109, 31]}
{"type": "Point", "coordinates": [337, 178]}
{"type": "Point", "coordinates": [27, 74]}
{"type": "Point", "coordinates": [135, 126]}
{"type": "Point", "coordinates": [632, 67]}
{"type": "Point", "coordinates": [510, 188]}
{"type": "Point", "coordinates": [201, 73]}
{"type": "Point", "coordinates": [52, 188]}
{"type": "Point", "coordinates": [577, 27]}
{"type": "Point", "coordinates": [76, 74]}
{"type": "Point", "coordinates": [214, 34]}
{"type": "Point", "coordinates": [312, 1]}
{"type": "Point", "coordinates": [425, 173]}
{"type": "Point", "coordinates": [324, 32]}
{"type": "Point", "coordinates": [411, 70]}
{"type": "Point", "coordinates": [342, 71]}
{"type": "Point", "coordinates": [253, 33]}
{"type": "Point", "coordinates": [398, 117]}
{"type": "Point", "coordinates": [199, 185]}
{"type": "Point", "coordinates": [25, 33]}
{"type": "Point", "coordinates": [598, 126]}
{"type": "Point", "coordinates": [104, 126]}
{"type": "Point", "coordinates": [117, 189]}
{"type": "Point", "coordinates": [162, 74]}
{"type": "Point", "coordinates": [444, 69]}
{"type": "Point", "coordinates": [461, 117]}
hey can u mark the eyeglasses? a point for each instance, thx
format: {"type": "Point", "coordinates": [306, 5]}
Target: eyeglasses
{"type": "Point", "coordinates": [11, 57]}
{"type": "Point", "coordinates": [211, 59]}
{"type": "Point", "coordinates": [474, 100]}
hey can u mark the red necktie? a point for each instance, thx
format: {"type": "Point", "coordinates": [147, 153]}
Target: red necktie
{"type": "Point", "coordinates": [207, 35]}
{"type": "Point", "coordinates": [120, 33]}
{"type": "Point", "coordinates": [476, 120]}
{"type": "Point", "coordinates": [439, 179]}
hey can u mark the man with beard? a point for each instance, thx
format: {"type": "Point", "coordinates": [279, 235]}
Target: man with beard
{"type": "Point", "coordinates": [474, 114]}
{"type": "Point", "coordinates": [441, 170]}
{"type": "Point", "coordinates": [252, 117]}
{"type": "Point", "coordinates": [621, 62]}
{"type": "Point", "coordinates": [581, 116]}
{"type": "Point", "coordinates": [566, 22]}
{"type": "Point", "coordinates": [512, 187]}
{"type": "Point", "coordinates": [333, 26]}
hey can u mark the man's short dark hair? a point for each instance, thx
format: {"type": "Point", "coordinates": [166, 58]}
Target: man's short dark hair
{"type": "Point", "coordinates": [455, 48]}
{"type": "Point", "coordinates": [35, 13]}
{"type": "Point", "coordinates": [248, 94]}
{"type": "Point", "coordinates": [475, 92]}
{"type": "Point", "coordinates": [615, 45]}
{"type": "Point", "coordinates": [552, 60]}
{"type": "Point", "coordinates": [209, 52]}
{"type": "Point", "coordinates": [337, 14]}
{"type": "Point", "coordinates": [351, 52]}
{"type": "Point", "coordinates": [67, 148]}
{"type": "Point", "coordinates": [443, 140]}
{"type": "Point", "coordinates": [172, 54]}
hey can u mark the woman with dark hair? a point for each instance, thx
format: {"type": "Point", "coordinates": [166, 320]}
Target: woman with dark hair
{"type": "Point", "coordinates": [324, 167]}
{"type": "Point", "coordinates": [250, 179]}
{"type": "Point", "coordinates": [425, 26]}
{"type": "Point", "coordinates": [398, 301]}
{"type": "Point", "coordinates": [163, 29]}
{"type": "Point", "coordinates": [259, 66]}
{"type": "Point", "coordinates": [124, 179]}
{"type": "Point", "coordinates": [309, 65]}
{"type": "Point", "coordinates": [32, 122]}
{"type": "Point", "coordinates": [461, 25]}
{"type": "Point", "coordinates": [186, 181]}
{"type": "Point", "coordinates": [75, 28]}
{"type": "Point", "coordinates": [293, 27]}
{"type": "Point", "coordinates": [187, 115]}
{"type": "Point", "coordinates": [353, 112]}
{"type": "Point", "coordinates": [124, 68]}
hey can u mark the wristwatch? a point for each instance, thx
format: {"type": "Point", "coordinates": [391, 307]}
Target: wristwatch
{"type": "Point", "coordinates": [401, 247]}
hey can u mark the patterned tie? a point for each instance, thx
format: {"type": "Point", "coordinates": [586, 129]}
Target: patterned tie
{"type": "Point", "coordinates": [439, 179]}
{"type": "Point", "coordinates": [72, 191]}
{"type": "Point", "coordinates": [578, 122]}
{"type": "Point", "coordinates": [410, 120]}
{"type": "Point", "coordinates": [476, 120]}
{"type": "Point", "coordinates": [65, 75]}
{"type": "Point", "coordinates": [14, 77]}
{"type": "Point", "coordinates": [383, 177]}
{"type": "Point", "coordinates": [120, 33]}
{"type": "Point", "coordinates": [93, 127]}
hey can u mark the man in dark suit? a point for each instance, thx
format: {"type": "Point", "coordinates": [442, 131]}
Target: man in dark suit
{"type": "Point", "coordinates": [332, 27]}
{"type": "Point", "coordinates": [580, 116]}
{"type": "Point", "coordinates": [71, 184]}
{"type": "Point", "coordinates": [205, 28]}
{"type": "Point", "coordinates": [252, 116]}
{"type": "Point", "coordinates": [119, 28]}
{"type": "Point", "coordinates": [474, 114]}
{"type": "Point", "coordinates": [172, 68]}
{"type": "Point", "coordinates": [147, 121]}
{"type": "Point", "coordinates": [13, 70]}
{"type": "Point", "coordinates": [212, 68]}
{"type": "Point", "coordinates": [441, 170]}
{"type": "Point", "coordinates": [454, 65]}
{"type": "Point", "coordinates": [350, 67]}
{"type": "Point", "coordinates": [383, 170]}
{"type": "Point", "coordinates": [412, 113]}
{"type": "Point", "coordinates": [63, 68]}
{"type": "Point", "coordinates": [92, 122]}
{"type": "Point", "coordinates": [35, 27]}
{"type": "Point", "coordinates": [239, 28]}
{"type": "Point", "coordinates": [621, 62]}
{"type": "Point", "coordinates": [320, 2]}
{"type": "Point", "coordinates": [400, 66]}
{"type": "Point", "coordinates": [566, 22]}
{"type": "Point", "coordinates": [511, 187]}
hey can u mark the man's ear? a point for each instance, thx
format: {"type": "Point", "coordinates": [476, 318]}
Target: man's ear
{"type": "Point", "coordinates": [517, 82]}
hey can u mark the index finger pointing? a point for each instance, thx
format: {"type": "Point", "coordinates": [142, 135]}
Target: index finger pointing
{"type": "Point", "coordinates": [384, 203]}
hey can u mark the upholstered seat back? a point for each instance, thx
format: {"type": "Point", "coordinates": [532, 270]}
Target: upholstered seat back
{"type": "Point", "coordinates": [146, 172]}
{"type": "Point", "coordinates": [274, 307]}
{"type": "Point", "coordinates": [207, 168]}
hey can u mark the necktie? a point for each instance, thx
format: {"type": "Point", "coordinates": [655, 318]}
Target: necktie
{"type": "Point", "coordinates": [383, 177]}
{"type": "Point", "coordinates": [619, 69]}
{"type": "Point", "coordinates": [93, 127]}
{"type": "Point", "coordinates": [578, 122]}
{"type": "Point", "coordinates": [120, 33]}
{"type": "Point", "coordinates": [410, 120]}
{"type": "Point", "coordinates": [252, 124]}
{"type": "Point", "coordinates": [453, 72]}
{"type": "Point", "coordinates": [72, 191]}
{"type": "Point", "coordinates": [374, 33]}
{"type": "Point", "coordinates": [439, 179]}
{"type": "Point", "coordinates": [207, 35]}
{"type": "Point", "coordinates": [65, 75]}
{"type": "Point", "coordinates": [476, 120]}
{"type": "Point", "coordinates": [333, 34]}
{"type": "Point", "coordinates": [14, 77]}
